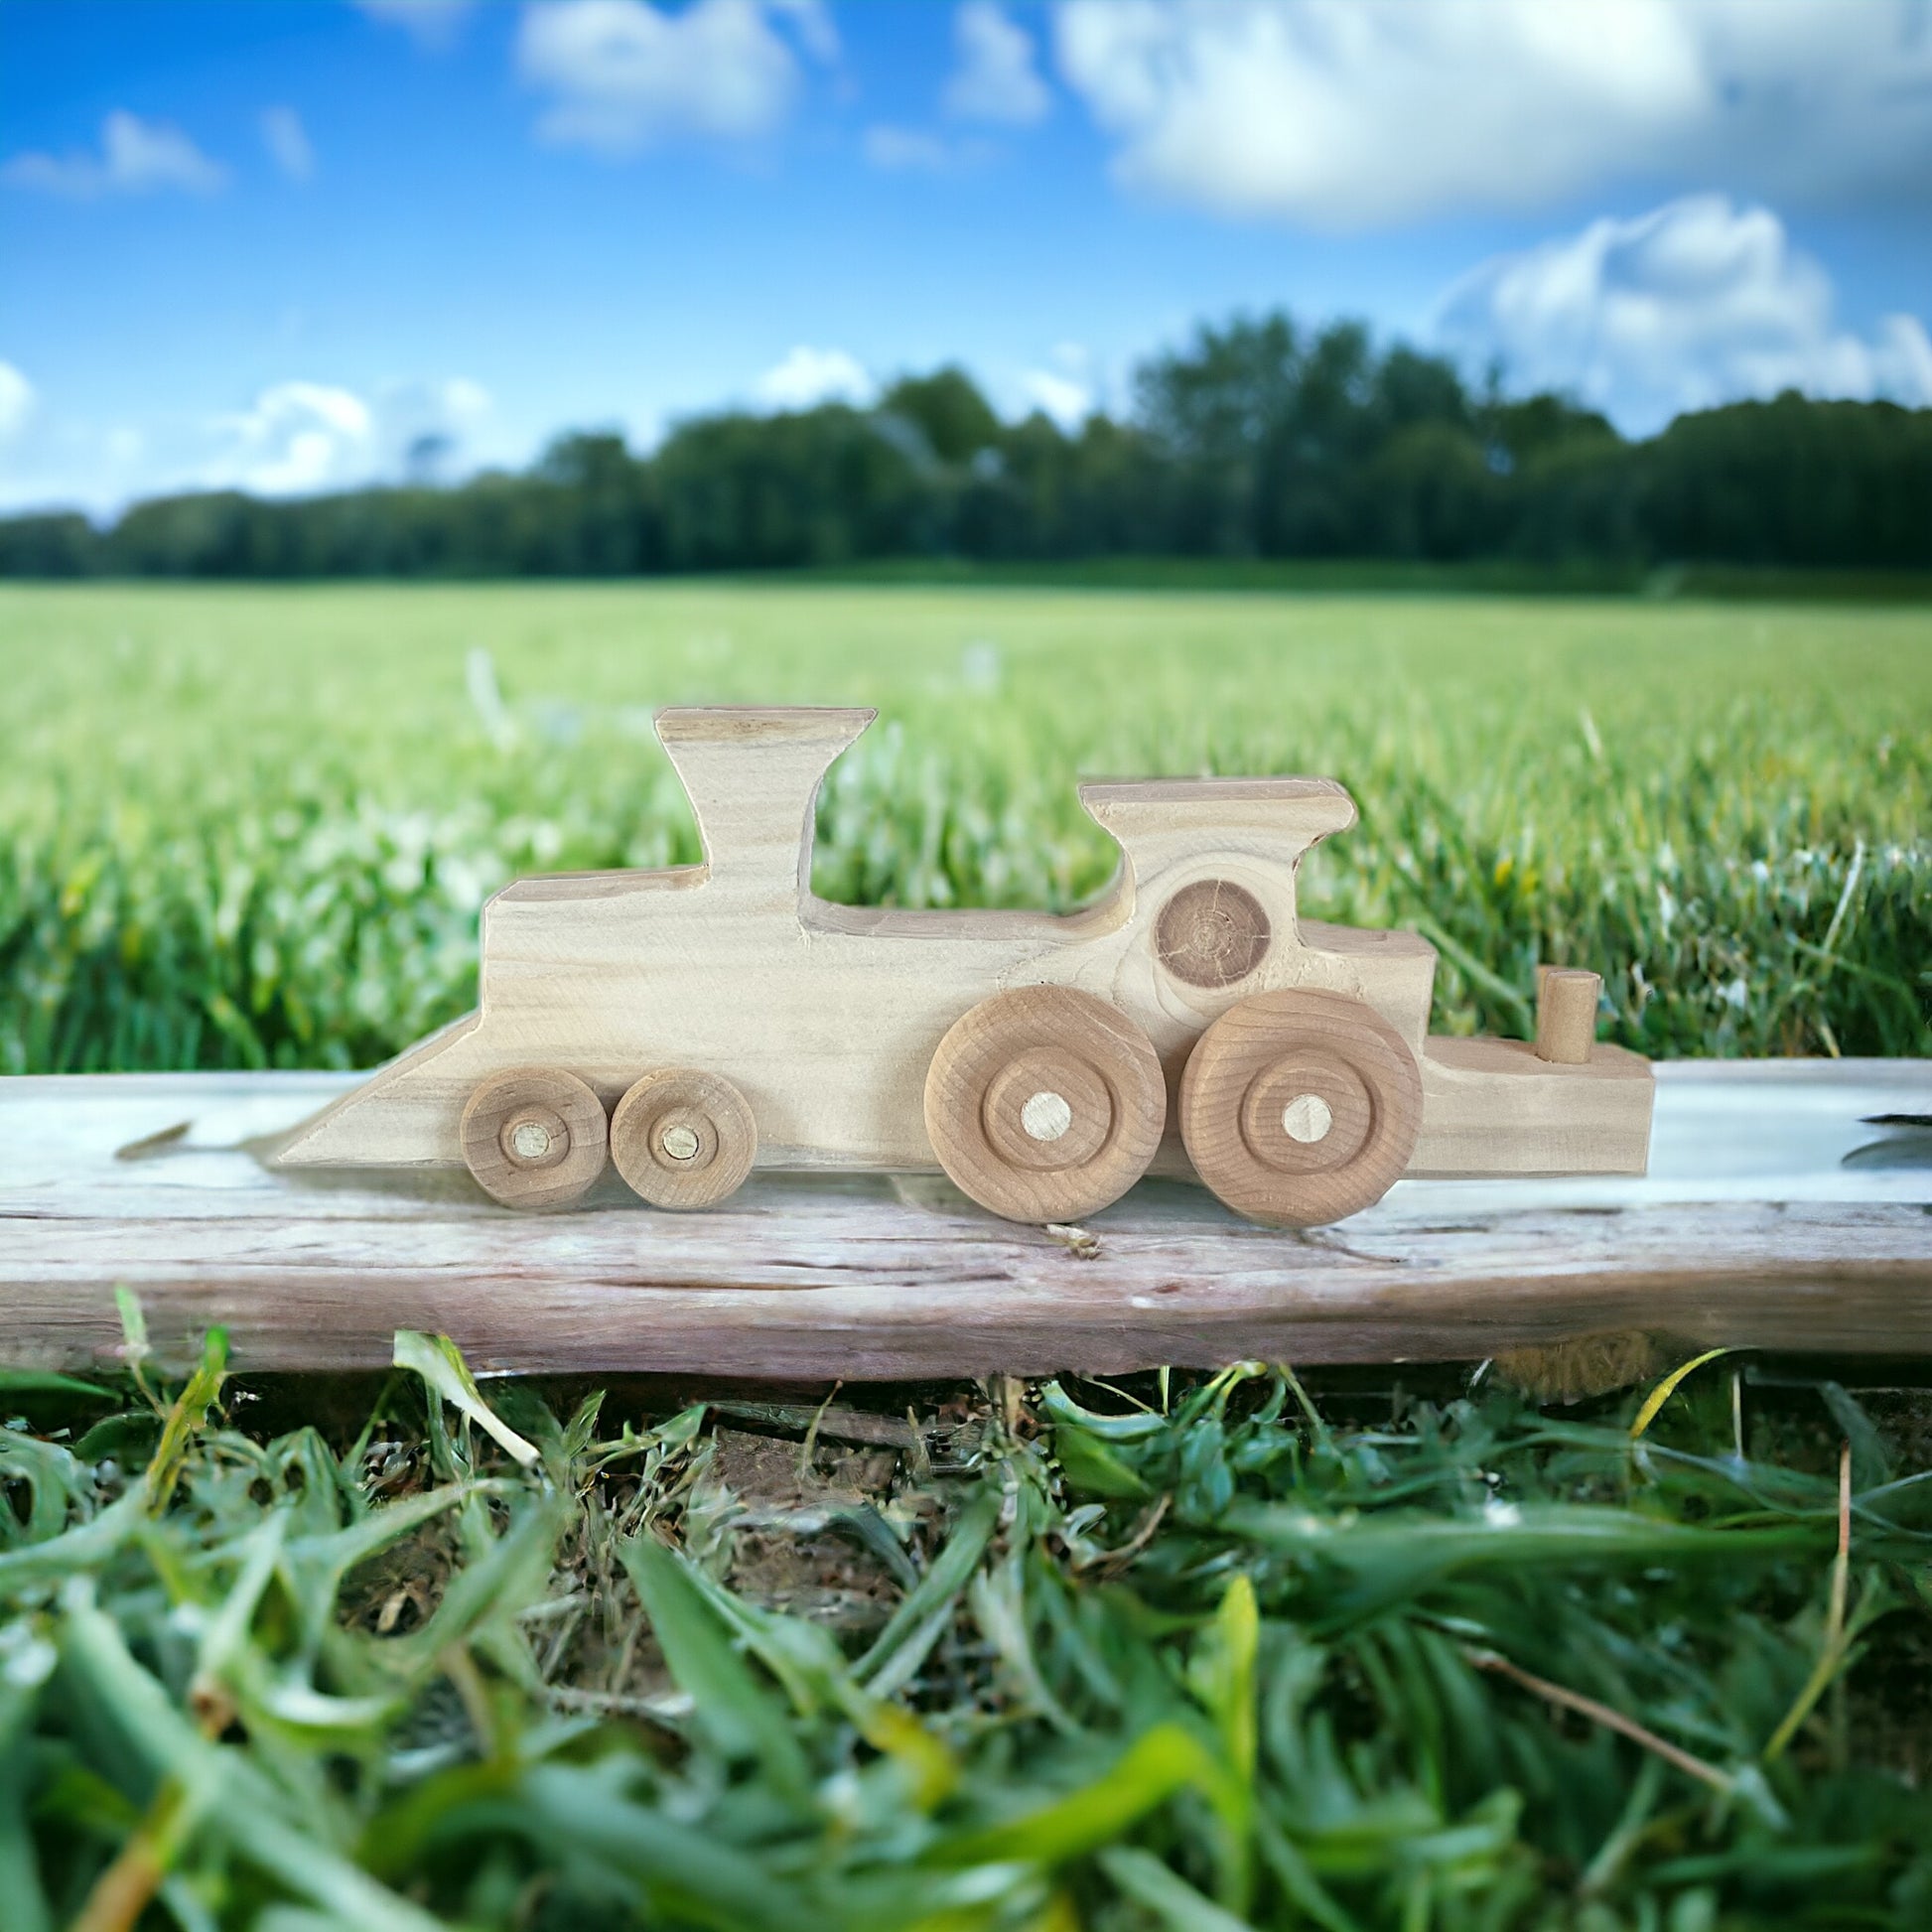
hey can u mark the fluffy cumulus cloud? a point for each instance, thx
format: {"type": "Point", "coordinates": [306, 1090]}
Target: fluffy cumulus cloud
{"type": "Point", "coordinates": [136, 157]}
{"type": "Point", "coordinates": [16, 402]}
{"type": "Point", "coordinates": [293, 439]}
{"type": "Point", "coordinates": [1348, 113]}
{"type": "Point", "coordinates": [288, 143]}
{"type": "Point", "coordinates": [1699, 302]}
{"type": "Point", "coordinates": [807, 376]}
{"type": "Point", "coordinates": [296, 438]}
{"type": "Point", "coordinates": [996, 79]}
{"type": "Point", "coordinates": [1065, 391]}
{"type": "Point", "coordinates": [623, 75]}
{"type": "Point", "coordinates": [1064, 398]}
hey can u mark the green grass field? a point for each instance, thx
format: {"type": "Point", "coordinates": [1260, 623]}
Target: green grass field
{"type": "Point", "coordinates": [1368, 1651]}
{"type": "Point", "coordinates": [253, 826]}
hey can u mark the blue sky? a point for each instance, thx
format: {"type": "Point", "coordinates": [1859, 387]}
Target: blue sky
{"type": "Point", "coordinates": [272, 245]}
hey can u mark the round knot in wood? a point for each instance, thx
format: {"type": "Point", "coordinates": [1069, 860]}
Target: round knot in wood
{"type": "Point", "coordinates": [1211, 934]}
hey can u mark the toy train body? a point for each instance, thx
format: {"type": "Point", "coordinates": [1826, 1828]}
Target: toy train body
{"type": "Point", "coordinates": [689, 1024]}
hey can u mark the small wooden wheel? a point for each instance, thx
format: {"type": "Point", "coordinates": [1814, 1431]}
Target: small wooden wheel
{"type": "Point", "coordinates": [534, 1137]}
{"type": "Point", "coordinates": [1045, 1104]}
{"type": "Point", "coordinates": [683, 1139]}
{"type": "Point", "coordinates": [1299, 1107]}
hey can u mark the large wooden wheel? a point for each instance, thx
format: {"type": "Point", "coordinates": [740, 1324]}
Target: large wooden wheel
{"type": "Point", "coordinates": [534, 1137]}
{"type": "Point", "coordinates": [1045, 1104]}
{"type": "Point", "coordinates": [1300, 1107]}
{"type": "Point", "coordinates": [683, 1139]}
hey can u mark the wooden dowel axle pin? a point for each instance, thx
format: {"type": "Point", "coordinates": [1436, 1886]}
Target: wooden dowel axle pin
{"type": "Point", "coordinates": [1566, 1014]}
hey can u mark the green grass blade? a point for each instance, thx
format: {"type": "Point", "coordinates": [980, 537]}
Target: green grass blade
{"type": "Point", "coordinates": [1144, 1777]}
{"type": "Point", "coordinates": [1170, 1897]}
{"type": "Point", "coordinates": [187, 1414]}
{"type": "Point", "coordinates": [436, 1359]}
{"type": "Point", "coordinates": [952, 1568]}
{"type": "Point", "coordinates": [742, 1719]}
{"type": "Point", "coordinates": [1654, 1402]}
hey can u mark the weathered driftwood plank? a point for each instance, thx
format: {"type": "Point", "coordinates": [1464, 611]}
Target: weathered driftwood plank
{"type": "Point", "coordinates": [1771, 1217]}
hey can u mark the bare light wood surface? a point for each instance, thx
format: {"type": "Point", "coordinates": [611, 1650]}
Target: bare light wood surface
{"type": "Point", "coordinates": [1771, 1217]}
{"type": "Point", "coordinates": [1566, 1015]}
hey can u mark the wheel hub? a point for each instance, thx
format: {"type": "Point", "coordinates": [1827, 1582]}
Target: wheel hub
{"type": "Point", "coordinates": [533, 1138]}
{"type": "Point", "coordinates": [1307, 1111]}
{"type": "Point", "coordinates": [1048, 1109]}
{"type": "Point", "coordinates": [1046, 1116]}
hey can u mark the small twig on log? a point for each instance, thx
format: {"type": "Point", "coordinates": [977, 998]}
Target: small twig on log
{"type": "Point", "coordinates": [1115, 1561]}
{"type": "Point", "coordinates": [1602, 1713]}
{"type": "Point", "coordinates": [838, 1424]}
{"type": "Point", "coordinates": [1081, 1245]}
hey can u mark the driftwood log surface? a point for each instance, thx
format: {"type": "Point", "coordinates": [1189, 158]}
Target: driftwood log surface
{"type": "Point", "coordinates": [1786, 1207]}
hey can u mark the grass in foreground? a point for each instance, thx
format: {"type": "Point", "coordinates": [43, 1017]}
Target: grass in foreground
{"type": "Point", "coordinates": [1189, 1655]}
{"type": "Point", "coordinates": [252, 827]}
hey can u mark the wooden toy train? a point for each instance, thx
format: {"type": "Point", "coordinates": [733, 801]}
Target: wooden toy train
{"type": "Point", "coordinates": [689, 1025]}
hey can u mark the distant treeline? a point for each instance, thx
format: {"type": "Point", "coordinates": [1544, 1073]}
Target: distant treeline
{"type": "Point", "coordinates": [1258, 439]}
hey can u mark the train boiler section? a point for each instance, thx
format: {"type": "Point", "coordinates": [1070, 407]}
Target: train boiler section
{"type": "Point", "coordinates": [686, 1025]}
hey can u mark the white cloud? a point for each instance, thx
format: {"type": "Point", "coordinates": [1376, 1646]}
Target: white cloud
{"type": "Point", "coordinates": [1697, 303]}
{"type": "Point", "coordinates": [623, 75]}
{"type": "Point", "coordinates": [295, 438]}
{"type": "Point", "coordinates": [996, 79]}
{"type": "Point", "coordinates": [292, 439]}
{"type": "Point", "coordinates": [430, 23]}
{"type": "Point", "coordinates": [288, 143]}
{"type": "Point", "coordinates": [421, 427]}
{"type": "Point", "coordinates": [1345, 113]}
{"type": "Point", "coordinates": [1064, 398]}
{"type": "Point", "coordinates": [299, 437]}
{"type": "Point", "coordinates": [136, 157]}
{"type": "Point", "coordinates": [1069, 392]}
{"type": "Point", "coordinates": [16, 401]}
{"type": "Point", "coordinates": [807, 376]}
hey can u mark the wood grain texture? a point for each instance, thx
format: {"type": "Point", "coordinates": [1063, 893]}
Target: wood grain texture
{"type": "Point", "coordinates": [1045, 1104]}
{"type": "Point", "coordinates": [1566, 1014]}
{"type": "Point", "coordinates": [683, 1139]}
{"type": "Point", "coordinates": [1772, 1217]}
{"type": "Point", "coordinates": [534, 1137]}
{"type": "Point", "coordinates": [1300, 1108]}
{"type": "Point", "coordinates": [826, 1018]}
{"type": "Point", "coordinates": [1495, 1107]}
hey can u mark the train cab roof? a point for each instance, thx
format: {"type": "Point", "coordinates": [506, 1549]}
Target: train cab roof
{"type": "Point", "coordinates": [1287, 814]}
